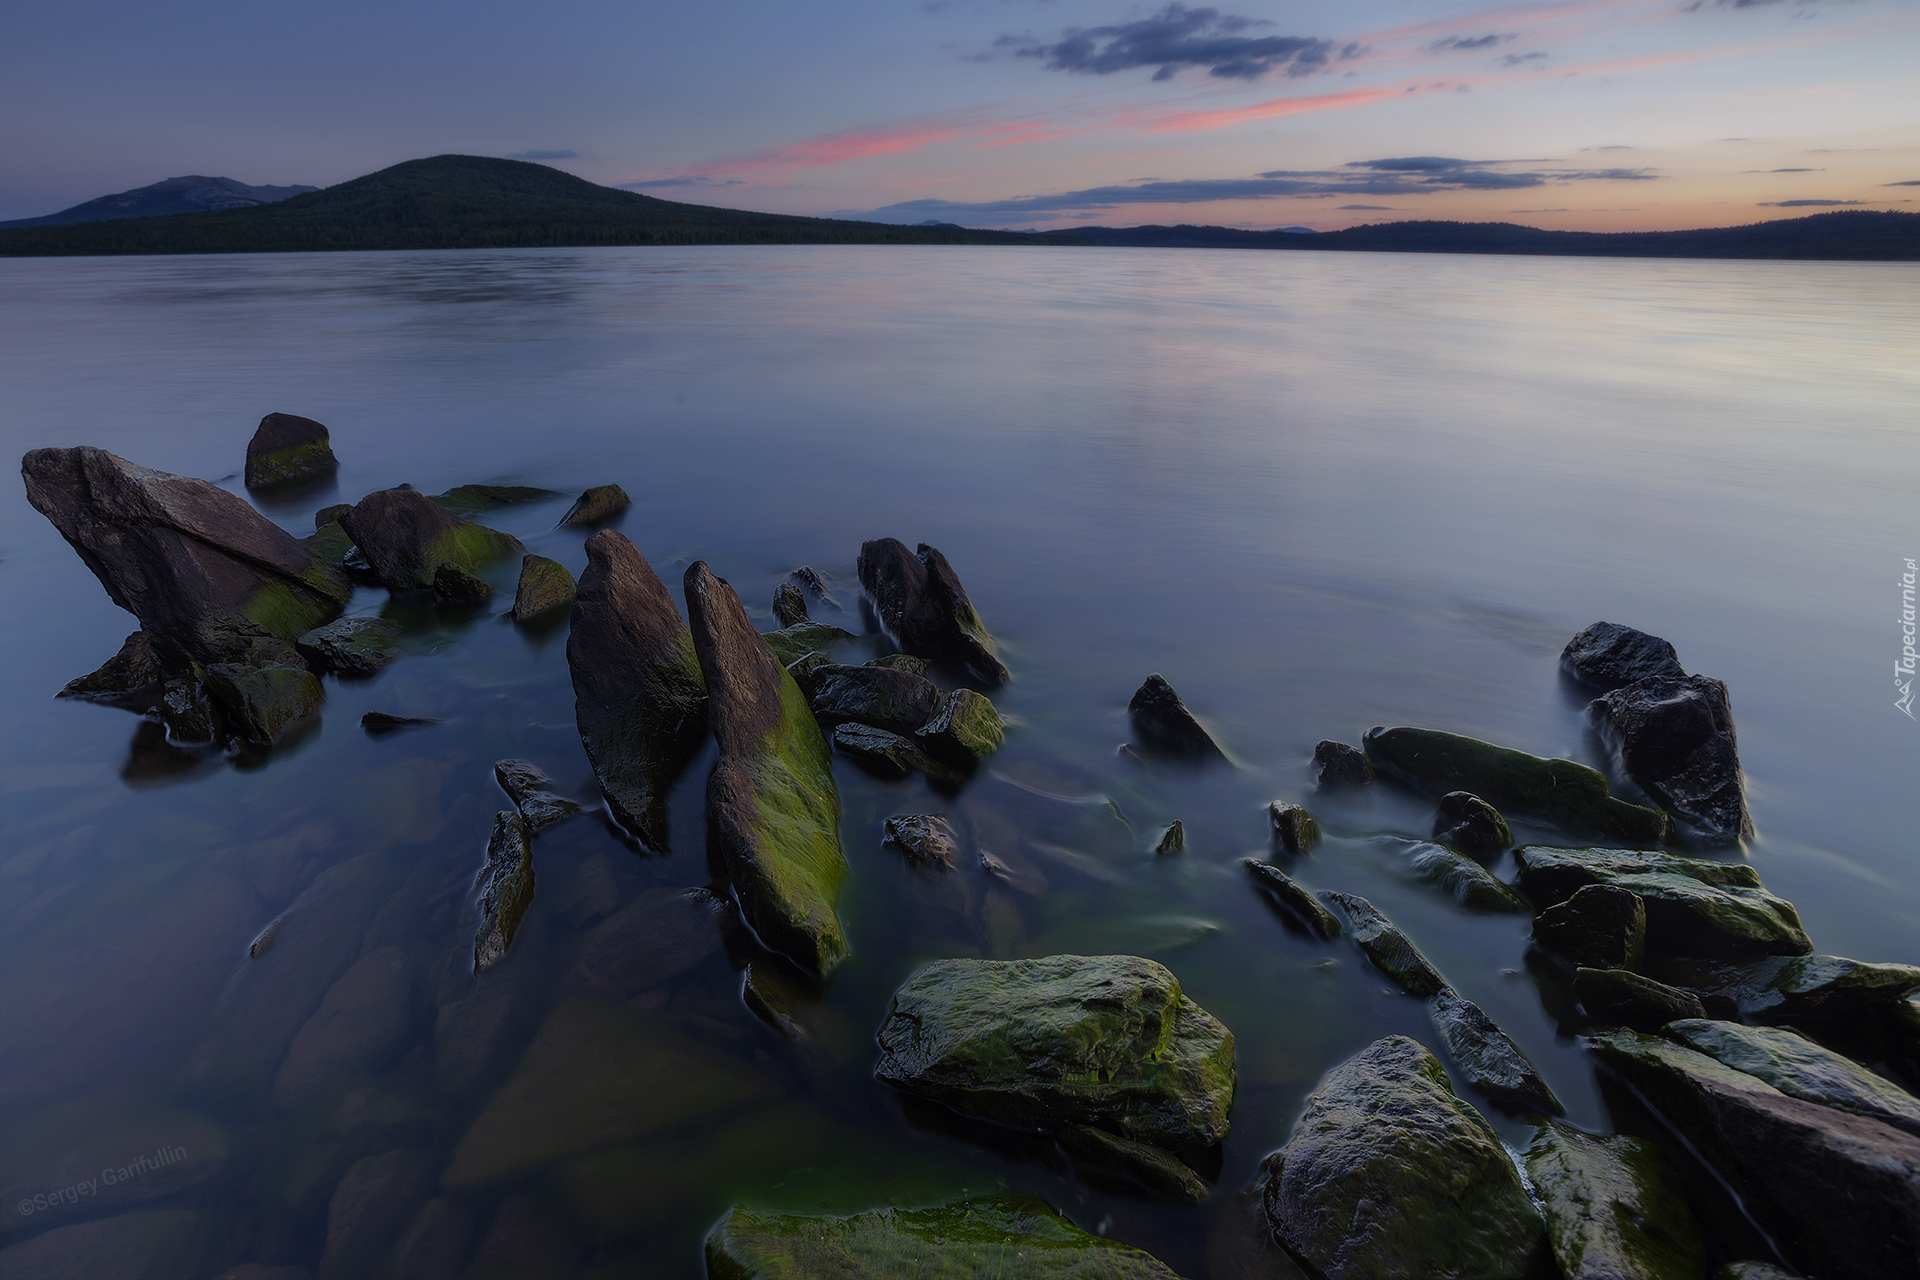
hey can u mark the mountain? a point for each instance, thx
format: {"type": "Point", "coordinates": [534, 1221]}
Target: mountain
{"type": "Point", "coordinates": [466, 202]}
{"type": "Point", "coordinates": [191, 194]}
{"type": "Point", "coordinates": [1857, 234]}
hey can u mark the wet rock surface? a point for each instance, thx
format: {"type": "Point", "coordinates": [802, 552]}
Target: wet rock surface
{"type": "Point", "coordinates": [1172, 840]}
{"type": "Point", "coordinates": [927, 839]}
{"type": "Point", "coordinates": [1798, 1067]}
{"type": "Point", "coordinates": [531, 791]}
{"type": "Point", "coordinates": [1471, 825]}
{"type": "Point", "coordinates": [897, 701]}
{"type": "Point", "coordinates": [903, 662]}
{"type": "Point", "coordinates": [1602, 926]}
{"type": "Point", "coordinates": [351, 646]}
{"type": "Point", "coordinates": [1464, 880]}
{"type": "Point", "coordinates": [408, 539]}
{"type": "Point", "coordinates": [1291, 828]}
{"type": "Point", "coordinates": [505, 889]}
{"type": "Point", "coordinates": [130, 678]}
{"type": "Point", "coordinates": [545, 588]}
{"type": "Point", "coordinates": [1486, 1057]}
{"type": "Point", "coordinates": [1622, 998]}
{"type": "Point", "coordinates": [1166, 726]}
{"type": "Point", "coordinates": [920, 602]}
{"type": "Point", "coordinates": [790, 644]}
{"type": "Point", "coordinates": [1819, 987]}
{"type": "Point", "coordinates": [963, 730]}
{"type": "Point", "coordinates": [1557, 791]}
{"type": "Point", "coordinates": [1297, 901]}
{"type": "Point", "coordinates": [1615, 1209]}
{"type": "Point", "coordinates": [773, 812]}
{"type": "Point", "coordinates": [1694, 906]}
{"type": "Point", "coordinates": [789, 605]}
{"type": "Point", "coordinates": [596, 506]}
{"type": "Point", "coordinates": [1391, 951]}
{"type": "Point", "coordinates": [809, 577]}
{"type": "Point", "coordinates": [1151, 1167]}
{"type": "Point", "coordinates": [287, 448]}
{"type": "Point", "coordinates": [1337, 765]}
{"type": "Point", "coordinates": [1097, 1040]}
{"type": "Point", "coordinates": [1674, 736]}
{"type": "Point", "coordinates": [888, 754]}
{"type": "Point", "coordinates": [1607, 656]}
{"type": "Point", "coordinates": [1388, 1174]}
{"type": "Point", "coordinates": [639, 698]}
{"type": "Point", "coordinates": [375, 1199]}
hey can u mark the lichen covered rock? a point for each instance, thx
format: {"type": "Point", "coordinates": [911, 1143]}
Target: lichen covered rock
{"type": "Point", "coordinates": [286, 448]}
{"type": "Point", "coordinates": [545, 587]}
{"type": "Point", "coordinates": [1694, 906]}
{"type": "Point", "coordinates": [1615, 1210]}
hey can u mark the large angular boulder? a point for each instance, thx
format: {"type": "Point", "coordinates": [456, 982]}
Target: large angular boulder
{"type": "Point", "coordinates": [1557, 791]}
{"type": "Point", "coordinates": [130, 678]}
{"type": "Point", "coordinates": [982, 1237]}
{"type": "Point", "coordinates": [1166, 726]}
{"type": "Point", "coordinates": [1694, 906]}
{"type": "Point", "coordinates": [773, 814]}
{"type": "Point", "coordinates": [897, 701]}
{"type": "Point", "coordinates": [1389, 1174]}
{"type": "Point", "coordinates": [1840, 1193]}
{"type": "Point", "coordinates": [1607, 655]}
{"type": "Point", "coordinates": [210, 578]}
{"type": "Point", "coordinates": [287, 448]}
{"type": "Point", "coordinates": [639, 697]}
{"type": "Point", "coordinates": [1615, 1209]}
{"type": "Point", "coordinates": [1096, 1040]}
{"type": "Point", "coordinates": [924, 608]}
{"type": "Point", "coordinates": [1674, 737]}
{"type": "Point", "coordinates": [407, 538]}
{"type": "Point", "coordinates": [1798, 1067]}
{"type": "Point", "coordinates": [1602, 926]}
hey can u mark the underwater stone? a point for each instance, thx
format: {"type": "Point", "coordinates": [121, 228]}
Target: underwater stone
{"type": "Point", "coordinates": [1150, 1166]}
{"type": "Point", "coordinates": [789, 606]}
{"type": "Point", "coordinates": [1319, 921]}
{"type": "Point", "coordinates": [1391, 951]}
{"type": "Point", "coordinates": [1292, 828]}
{"type": "Point", "coordinates": [362, 1024]}
{"type": "Point", "coordinates": [351, 646]}
{"type": "Point", "coordinates": [379, 723]}
{"type": "Point", "coordinates": [406, 539]}
{"type": "Point", "coordinates": [602, 502]}
{"type": "Point", "coordinates": [1484, 1054]}
{"type": "Point", "coordinates": [1694, 906]}
{"type": "Point", "coordinates": [927, 839]}
{"type": "Point", "coordinates": [1602, 926]}
{"type": "Point", "coordinates": [285, 448]}
{"type": "Point", "coordinates": [1100, 1040]}
{"type": "Point", "coordinates": [1471, 825]}
{"type": "Point", "coordinates": [1387, 1173]}
{"type": "Point", "coordinates": [505, 889]}
{"type": "Point", "coordinates": [1675, 738]}
{"type": "Point", "coordinates": [1615, 1209]}
{"type": "Point", "coordinates": [1336, 765]}
{"type": "Point", "coordinates": [545, 586]}
{"type": "Point", "coordinates": [1607, 655]}
{"type": "Point", "coordinates": [1165, 724]}
{"type": "Point", "coordinates": [920, 602]}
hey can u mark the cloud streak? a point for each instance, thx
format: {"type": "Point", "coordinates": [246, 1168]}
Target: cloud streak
{"type": "Point", "coordinates": [1177, 38]}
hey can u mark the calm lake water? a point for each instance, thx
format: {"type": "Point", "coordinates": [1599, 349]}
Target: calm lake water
{"type": "Point", "coordinates": [1319, 492]}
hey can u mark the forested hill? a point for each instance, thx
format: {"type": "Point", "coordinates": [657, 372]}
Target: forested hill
{"type": "Point", "coordinates": [1845, 234]}
{"type": "Point", "coordinates": [469, 202]}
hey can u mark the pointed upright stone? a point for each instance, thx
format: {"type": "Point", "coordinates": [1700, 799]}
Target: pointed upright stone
{"type": "Point", "coordinates": [921, 603]}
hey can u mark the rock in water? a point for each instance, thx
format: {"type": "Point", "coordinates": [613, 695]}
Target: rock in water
{"type": "Point", "coordinates": [1149, 1166]}
{"type": "Point", "coordinates": [980, 1238]}
{"type": "Point", "coordinates": [1391, 951]}
{"type": "Point", "coordinates": [1558, 791]}
{"type": "Point", "coordinates": [924, 608]}
{"type": "Point", "coordinates": [790, 644]}
{"type": "Point", "coordinates": [1674, 736]}
{"type": "Point", "coordinates": [1164, 723]}
{"type": "Point", "coordinates": [927, 839]}
{"type": "Point", "coordinates": [129, 678]}
{"type": "Point", "coordinates": [1600, 927]}
{"type": "Point", "coordinates": [1319, 921]}
{"type": "Point", "coordinates": [1470, 884]}
{"type": "Point", "coordinates": [773, 815]}
{"type": "Point", "coordinates": [1694, 906]}
{"type": "Point", "coordinates": [889, 755]}
{"type": "Point", "coordinates": [809, 577]}
{"type": "Point", "coordinates": [1292, 828]}
{"type": "Point", "coordinates": [1388, 1174]}
{"type": "Point", "coordinates": [1099, 1040]}
{"type": "Point", "coordinates": [379, 723]}
{"type": "Point", "coordinates": [472, 499]}
{"type": "Point", "coordinates": [1607, 655]}
{"type": "Point", "coordinates": [963, 730]}
{"type": "Point", "coordinates": [286, 448]}
{"type": "Point", "coordinates": [1839, 1193]}
{"type": "Point", "coordinates": [407, 538]}
{"type": "Point", "coordinates": [1335, 765]}
{"type": "Point", "coordinates": [1621, 997]}
{"type": "Point", "coordinates": [789, 606]}
{"type": "Point", "coordinates": [1819, 987]}
{"type": "Point", "coordinates": [506, 889]}
{"type": "Point", "coordinates": [210, 578]}
{"type": "Point", "coordinates": [531, 791]}
{"type": "Point", "coordinates": [1615, 1210]}
{"type": "Point", "coordinates": [600, 503]}
{"type": "Point", "coordinates": [1471, 825]}
{"type": "Point", "coordinates": [351, 646]}
{"type": "Point", "coordinates": [639, 697]}
{"type": "Point", "coordinates": [1172, 840]}
{"type": "Point", "coordinates": [545, 587]}
{"type": "Point", "coordinates": [897, 701]}
{"type": "Point", "coordinates": [1798, 1067]}
{"type": "Point", "coordinates": [257, 703]}
{"type": "Point", "coordinates": [1483, 1053]}
{"type": "Point", "coordinates": [903, 662]}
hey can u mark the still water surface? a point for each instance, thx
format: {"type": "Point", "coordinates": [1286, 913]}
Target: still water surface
{"type": "Point", "coordinates": [1317, 492]}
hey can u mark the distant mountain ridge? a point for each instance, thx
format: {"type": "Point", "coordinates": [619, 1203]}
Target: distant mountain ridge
{"type": "Point", "coordinates": [191, 194]}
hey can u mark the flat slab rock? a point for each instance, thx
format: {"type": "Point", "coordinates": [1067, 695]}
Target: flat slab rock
{"type": "Point", "coordinates": [988, 1238]}
{"type": "Point", "coordinates": [1101, 1040]}
{"type": "Point", "coordinates": [1388, 1174]}
{"type": "Point", "coordinates": [1694, 906]}
{"type": "Point", "coordinates": [1615, 1209]}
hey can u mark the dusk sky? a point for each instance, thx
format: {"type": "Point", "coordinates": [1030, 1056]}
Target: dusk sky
{"type": "Point", "coordinates": [1587, 114]}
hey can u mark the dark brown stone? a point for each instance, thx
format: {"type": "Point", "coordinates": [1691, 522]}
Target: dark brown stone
{"type": "Point", "coordinates": [922, 605]}
{"type": "Point", "coordinates": [1600, 927]}
{"type": "Point", "coordinates": [407, 538]}
{"type": "Point", "coordinates": [1674, 736]}
{"type": "Point", "coordinates": [1166, 726]}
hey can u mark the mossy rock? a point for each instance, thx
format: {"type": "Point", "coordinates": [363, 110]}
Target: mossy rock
{"type": "Point", "coordinates": [790, 644]}
{"type": "Point", "coordinates": [601, 503]}
{"type": "Point", "coordinates": [287, 448]}
{"type": "Point", "coordinates": [1464, 880]}
{"type": "Point", "coordinates": [1614, 1207]}
{"type": "Point", "coordinates": [407, 539]}
{"type": "Point", "coordinates": [983, 1238]}
{"type": "Point", "coordinates": [1391, 951]}
{"type": "Point", "coordinates": [258, 703]}
{"type": "Point", "coordinates": [1557, 791]}
{"type": "Point", "coordinates": [1620, 997]}
{"type": "Point", "coordinates": [1819, 988]}
{"type": "Point", "coordinates": [545, 587]}
{"type": "Point", "coordinates": [1798, 1067]}
{"type": "Point", "coordinates": [1100, 1040]}
{"type": "Point", "coordinates": [473, 499]}
{"type": "Point", "coordinates": [351, 646]}
{"type": "Point", "coordinates": [506, 889]}
{"type": "Point", "coordinates": [1694, 906]}
{"type": "Point", "coordinates": [330, 545]}
{"type": "Point", "coordinates": [963, 730]}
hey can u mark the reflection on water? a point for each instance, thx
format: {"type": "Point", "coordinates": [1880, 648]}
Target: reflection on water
{"type": "Point", "coordinates": [1317, 492]}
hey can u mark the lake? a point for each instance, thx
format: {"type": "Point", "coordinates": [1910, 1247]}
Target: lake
{"type": "Point", "coordinates": [1318, 492]}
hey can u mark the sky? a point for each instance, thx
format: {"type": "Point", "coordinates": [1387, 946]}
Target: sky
{"type": "Point", "coordinates": [1600, 115]}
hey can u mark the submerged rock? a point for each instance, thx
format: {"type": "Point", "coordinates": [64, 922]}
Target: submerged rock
{"type": "Point", "coordinates": [1675, 738]}
{"type": "Point", "coordinates": [889, 755]}
{"type": "Point", "coordinates": [1336, 765]}
{"type": "Point", "coordinates": [1483, 1053]}
{"type": "Point", "coordinates": [927, 839]}
{"type": "Point", "coordinates": [1607, 656]}
{"type": "Point", "coordinates": [639, 698]}
{"type": "Point", "coordinates": [210, 578]}
{"type": "Point", "coordinates": [472, 499]}
{"type": "Point", "coordinates": [351, 646]}
{"type": "Point", "coordinates": [1471, 825]}
{"type": "Point", "coordinates": [379, 723]}
{"type": "Point", "coordinates": [979, 1238]}
{"type": "Point", "coordinates": [963, 730]}
{"type": "Point", "coordinates": [373, 1201]}
{"type": "Point", "coordinates": [531, 791]}
{"type": "Point", "coordinates": [897, 701]}
{"type": "Point", "coordinates": [1819, 987]}
{"type": "Point", "coordinates": [1694, 906]}
{"type": "Point", "coordinates": [258, 703]}
{"type": "Point", "coordinates": [1172, 840]}
{"type": "Point", "coordinates": [1389, 1174]}
{"type": "Point", "coordinates": [361, 1026]}
{"type": "Point", "coordinates": [649, 941]}
{"type": "Point", "coordinates": [1149, 1166]}
{"type": "Point", "coordinates": [407, 539]}
{"type": "Point", "coordinates": [506, 889]}
{"type": "Point", "coordinates": [129, 678]}
{"type": "Point", "coordinates": [920, 602]}
{"type": "Point", "coordinates": [1557, 791]}
{"type": "Point", "coordinates": [1095, 1040]}
{"type": "Point", "coordinates": [1623, 998]}
{"type": "Point", "coordinates": [1391, 951]}
{"type": "Point", "coordinates": [790, 644]}
{"type": "Point", "coordinates": [1839, 1193]}
{"type": "Point", "coordinates": [773, 814]}
{"type": "Point", "coordinates": [1165, 725]}
{"type": "Point", "coordinates": [1615, 1210]}
{"type": "Point", "coordinates": [1602, 926]}
{"type": "Point", "coordinates": [600, 503]}
{"type": "Point", "coordinates": [1799, 1068]}
{"type": "Point", "coordinates": [287, 448]}
{"type": "Point", "coordinates": [545, 587]}
{"type": "Point", "coordinates": [454, 585]}
{"type": "Point", "coordinates": [1292, 828]}
{"type": "Point", "coordinates": [1319, 921]}
{"type": "Point", "coordinates": [1470, 884]}
{"type": "Point", "coordinates": [789, 606]}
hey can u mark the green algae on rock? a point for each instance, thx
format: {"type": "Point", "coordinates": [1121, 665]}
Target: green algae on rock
{"type": "Point", "coordinates": [639, 699]}
{"type": "Point", "coordinates": [793, 643]}
{"type": "Point", "coordinates": [922, 605]}
{"type": "Point", "coordinates": [1615, 1210]}
{"type": "Point", "coordinates": [407, 538]}
{"type": "Point", "coordinates": [545, 587]}
{"type": "Point", "coordinates": [1798, 1067]}
{"type": "Point", "coordinates": [1557, 791]}
{"type": "Point", "coordinates": [1391, 951]}
{"type": "Point", "coordinates": [773, 813]}
{"type": "Point", "coordinates": [600, 503]}
{"type": "Point", "coordinates": [987, 1238]}
{"type": "Point", "coordinates": [1292, 828]}
{"type": "Point", "coordinates": [1172, 840]}
{"type": "Point", "coordinates": [1694, 906]}
{"type": "Point", "coordinates": [1149, 1166]}
{"type": "Point", "coordinates": [351, 646]}
{"type": "Point", "coordinates": [506, 889]}
{"type": "Point", "coordinates": [472, 499]}
{"type": "Point", "coordinates": [1101, 1040]}
{"type": "Point", "coordinates": [1387, 1173]}
{"type": "Point", "coordinates": [1818, 987]}
{"type": "Point", "coordinates": [259, 703]}
{"type": "Point", "coordinates": [287, 448]}
{"type": "Point", "coordinates": [963, 730]}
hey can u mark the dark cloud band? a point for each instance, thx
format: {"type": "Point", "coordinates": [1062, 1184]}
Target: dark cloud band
{"type": "Point", "coordinates": [1179, 37]}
